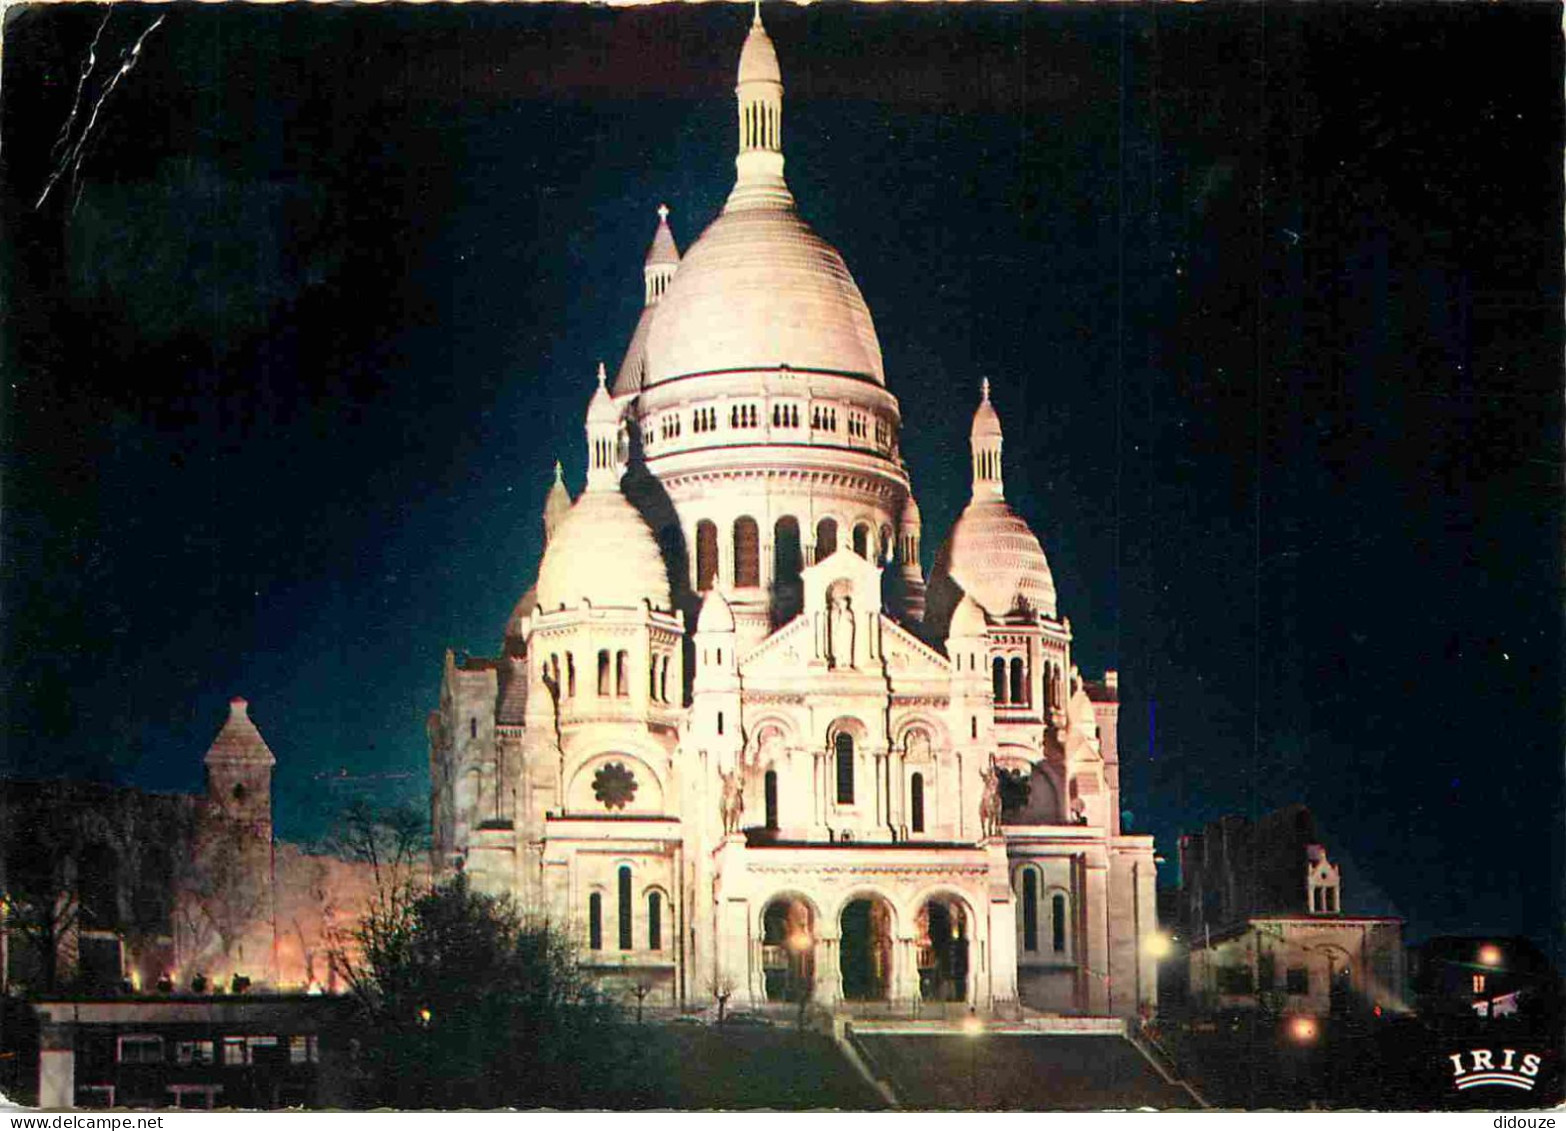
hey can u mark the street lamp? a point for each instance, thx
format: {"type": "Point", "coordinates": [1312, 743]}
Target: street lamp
{"type": "Point", "coordinates": [972, 1028]}
{"type": "Point", "coordinates": [799, 944]}
{"type": "Point", "coordinates": [1304, 1030]}
{"type": "Point", "coordinates": [1489, 955]}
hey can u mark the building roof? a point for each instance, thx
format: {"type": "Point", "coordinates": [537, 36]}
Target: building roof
{"type": "Point", "coordinates": [994, 558]}
{"type": "Point", "coordinates": [239, 740]}
{"type": "Point", "coordinates": [603, 554]}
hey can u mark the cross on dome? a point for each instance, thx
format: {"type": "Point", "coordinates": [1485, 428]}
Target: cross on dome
{"type": "Point", "coordinates": [663, 213]}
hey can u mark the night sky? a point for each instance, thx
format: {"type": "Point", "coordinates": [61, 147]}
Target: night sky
{"type": "Point", "coordinates": [1270, 297]}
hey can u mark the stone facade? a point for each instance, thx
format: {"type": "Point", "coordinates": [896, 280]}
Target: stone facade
{"type": "Point", "coordinates": [731, 738]}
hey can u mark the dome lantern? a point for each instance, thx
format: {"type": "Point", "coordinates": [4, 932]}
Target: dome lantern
{"type": "Point", "coordinates": [759, 93]}
{"type": "Point", "coordinates": [985, 440]}
{"type": "Point", "coordinates": [604, 465]}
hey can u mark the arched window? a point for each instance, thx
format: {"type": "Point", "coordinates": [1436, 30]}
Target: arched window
{"type": "Point", "coordinates": [663, 681]}
{"type": "Point", "coordinates": [625, 908]}
{"type": "Point", "coordinates": [916, 803]}
{"type": "Point", "coordinates": [884, 551]}
{"type": "Point", "coordinates": [845, 769]}
{"type": "Point", "coordinates": [603, 673]}
{"type": "Point", "coordinates": [826, 539]}
{"type": "Point", "coordinates": [862, 540]}
{"type": "Point", "coordinates": [595, 921]}
{"type": "Point", "coordinates": [787, 560]}
{"type": "Point", "coordinates": [652, 678]}
{"type": "Point", "coordinates": [1019, 686]}
{"type": "Point", "coordinates": [1057, 926]}
{"type": "Point", "coordinates": [999, 669]}
{"type": "Point", "coordinates": [720, 717]}
{"type": "Point", "coordinates": [769, 789]}
{"type": "Point", "coordinates": [654, 921]}
{"type": "Point", "coordinates": [473, 727]}
{"type": "Point", "coordinates": [622, 674]}
{"type": "Point", "coordinates": [706, 555]}
{"type": "Point", "coordinates": [973, 726]}
{"type": "Point", "coordinates": [1030, 910]}
{"type": "Point", "coordinates": [747, 553]}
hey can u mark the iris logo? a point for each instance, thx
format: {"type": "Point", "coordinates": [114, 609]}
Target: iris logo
{"type": "Point", "coordinates": [1481, 1070]}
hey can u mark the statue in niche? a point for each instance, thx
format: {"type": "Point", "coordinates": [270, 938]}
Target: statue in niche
{"type": "Point", "coordinates": [840, 628]}
{"type": "Point", "coordinates": [731, 805]}
{"type": "Point", "coordinates": [990, 802]}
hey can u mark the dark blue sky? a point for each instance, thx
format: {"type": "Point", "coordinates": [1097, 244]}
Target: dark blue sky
{"type": "Point", "coordinates": [1270, 298]}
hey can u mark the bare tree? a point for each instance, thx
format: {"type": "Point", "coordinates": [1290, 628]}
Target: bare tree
{"type": "Point", "coordinates": [722, 989]}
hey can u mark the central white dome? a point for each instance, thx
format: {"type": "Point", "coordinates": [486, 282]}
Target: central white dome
{"type": "Point", "coordinates": [760, 290]}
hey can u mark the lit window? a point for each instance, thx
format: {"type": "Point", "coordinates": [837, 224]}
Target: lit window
{"type": "Point", "coordinates": [194, 1052]}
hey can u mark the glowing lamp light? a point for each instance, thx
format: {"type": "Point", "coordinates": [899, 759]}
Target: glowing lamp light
{"type": "Point", "coordinates": [424, 1016]}
{"type": "Point", "coordinates": [1303, 1029]}
{"type": "Point", "coordinates": [1157, 945]}
{"type": "Point", "coordinates": [799, 942]}
{"type": "Point", "coordinates": [1489, 955]}
{"type": "Point", "coordinates": [972, 1026]}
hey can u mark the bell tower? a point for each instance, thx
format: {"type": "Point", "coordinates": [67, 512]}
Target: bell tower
{"type": "Point", "coordinates": [239, 772]}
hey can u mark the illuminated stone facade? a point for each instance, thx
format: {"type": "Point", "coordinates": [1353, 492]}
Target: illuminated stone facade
{"type": "Point", "coordinates": [733, 739]}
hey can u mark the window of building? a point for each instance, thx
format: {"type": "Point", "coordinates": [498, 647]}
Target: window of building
{"type": "Point", "coordinates": [625, 908]}
{"type": "Point", "coordinates": [916, 803]}
{"type": "Point", "coordinates": [595, 921]}
{"type": "Point", "coordinates": [884, 546]}
{"type": "Point", "coordinates": [194, 1052]}
{"type": "Point", "coordinates": [654, 921]}
{"type": "Point", "coordinates": [1030, 910]}
{"type": "Point", "coordinates": [1478, 983]}
{"type": "Point", "coordinates": [302, 1049]}
{"type": "Point", "coordinates": [622, 674]}
{"type": "Point", "coordinates": [720, 713]}
{"type": "Point", "coordinates": [998, 667]}
{"type": "Point", "coordinates": [652, 678]}
{"type": "Point", "coordinates": [1266, 970]}
{"type": "Point", "coordinates": [140, 1048]}
{"type": "Point", "coordinates": [787, 557]}
{"type": "Point", "coordinates": [663, 681]}
{"type": "Point", "coordinates": [862, 540]}
{"type": "Point", "coordinates": [1057, 922]}
{"type": "Point", "coordinates": [603, 672]}
{"type": "Point", "coordinates": [826, 539]}
{"type": "Point", "coordinates": [845, 769]}
{"type": "Point", "coordinates": [235, 1052]}
{"type": "Point", "coordinates": [1296, 980]}
{"type": "Point", "coordinates": [973, 726]}
{"type": "Point", "coordinates": [1019, 683]}
{"type": "Point", "coordinates": [1235, 980]}
{"type": "Point", "coordinates": [769, 788]}
{"type": "Point", "coordinates": [570, 676]}
{"type": "Point", "coordinates": [747, 553]}
{"type": "Point", "coordinates": [706, 555]}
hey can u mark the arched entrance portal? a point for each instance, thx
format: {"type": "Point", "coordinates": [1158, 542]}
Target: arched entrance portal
{"type": "Point", "coordinates": [943, 934]}
{"type": "Point", "coordinates": [865, 950]}
{"type": "Point", "coordinates": [788, 955]}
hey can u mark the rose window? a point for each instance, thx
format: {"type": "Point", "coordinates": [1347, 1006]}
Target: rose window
{"type": "Point", "coordinates": [614, 785]}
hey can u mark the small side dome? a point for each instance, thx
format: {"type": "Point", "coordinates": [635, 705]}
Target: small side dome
{"type": "Point", "coordinates": [605, 555]}
{"type": "Point", "coordinates": [995, 560]}
{"type": "Point", "coordinates": [968, 620]}
{"type": "Point", "coordinates": [557, 504]}
{"type": "Point", "coordinates": [716, 615]}
{"type": "Point", "coordinates": [602, 409]}
{"type": "Point", "coordinates": [910, 518]}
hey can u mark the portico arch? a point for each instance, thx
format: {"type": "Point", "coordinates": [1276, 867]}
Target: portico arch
{"type": "Point", "coordinates": [788, 932]}
{"type": "Point", "coordinates": [866, 946]}
{"type": "Point", "coordinates": [946, 947]}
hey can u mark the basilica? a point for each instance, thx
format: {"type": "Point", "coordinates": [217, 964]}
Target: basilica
{"type": "Point", "coordinates": [734, 740]}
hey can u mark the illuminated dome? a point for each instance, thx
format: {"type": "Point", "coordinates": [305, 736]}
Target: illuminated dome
{"type": "Point", "coordinates": [990, 555]}
{"type": "Point", "coordinates": [759, 289]}
{"type": "Point", "coordinates": [577, 570]}
{"type": "Point", "coordinates": [995, 559]}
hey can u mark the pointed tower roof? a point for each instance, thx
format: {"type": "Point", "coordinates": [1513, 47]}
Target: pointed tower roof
{"type": "Point", "coordinates": [239, 742]}
{"type": "Point", "coordinates": [557, 504]}
{"type": "Point", "coordinates": [759, 59]}
{"type": "Point", "coordinates": [986, 422]}
{"type": "Point", "coordinates": [601, 409]}
{"type": "Point", "coordinates": [663, 251]}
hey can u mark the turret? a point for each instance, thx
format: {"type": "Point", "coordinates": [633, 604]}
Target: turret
{"type": "Point", "coordinates": [557, 504]}
{"type": "Point", "coordinates": [909, 568]}
{"type": "Point", "coordinates": [604, 456]}
{"type": "Point", "coordinates": [239, 771]}
{"type": "Point", "coordinates": [985, 439]}
{"type": "Point", "coordinates": [663, 258]}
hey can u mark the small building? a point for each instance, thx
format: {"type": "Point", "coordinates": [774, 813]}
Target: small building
{"type": "Point", "coordinates": [211, 1052]}
{"type": "Point", "coordinates": [1464, 976]}
{"type": "Point", "coordinates": [1260, 917]}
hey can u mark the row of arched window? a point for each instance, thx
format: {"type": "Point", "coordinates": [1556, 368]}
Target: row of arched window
{"type": "Point", "coordinates": [624, 921]}
{"type": "Point", "coordinates": [742, 416]}
{"type": "Point", "coordinates": [823, 418]}
{"type": "Point", "coordinates": [1011, 682]}
{"type": "Point", "coordinates": [760, 126]}
{"type": "Point", "coordinates": [787, 553]}
{"type": "Point", "coordinates": [614, 675]}
{"type": "Point", "coordinates": [843, 749]}
{"type": "Point", "coordinates": [704, 420]}
{"type": "Point", "coordinates": [1031, 925]}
